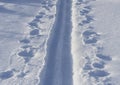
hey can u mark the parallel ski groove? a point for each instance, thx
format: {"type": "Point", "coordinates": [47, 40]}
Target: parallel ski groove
{"type": "Point", "coordinates": [58, 68]}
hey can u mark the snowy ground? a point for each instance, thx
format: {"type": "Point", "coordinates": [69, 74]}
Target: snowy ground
{"type": "Point", "coordinates": [59, 42]}
{"type": "Point", "coordinates": [95, 42]}
{"type": "Point", "coordinates": [24, 29]}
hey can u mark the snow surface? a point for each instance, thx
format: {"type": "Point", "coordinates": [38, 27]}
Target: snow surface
{"type": "Point", "coordinates": [24, 29]}
{"type": "Point", "coordinates": [95, 42]}
{"type": "Point", "coordinates": [59, 42]}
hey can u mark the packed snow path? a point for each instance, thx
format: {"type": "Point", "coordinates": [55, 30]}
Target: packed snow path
{"type": "Point", "coordinates": [58, 67]}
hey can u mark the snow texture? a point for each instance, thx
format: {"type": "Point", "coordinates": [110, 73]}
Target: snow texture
{"type": "Point", "coordinates": [59, 42]}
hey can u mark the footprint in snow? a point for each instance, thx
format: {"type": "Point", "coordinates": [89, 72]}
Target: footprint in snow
{"type": "Point", "coordinates": [99, 65]}
{"type": "Point", "coordinates": [34, 23]}
{"type": "Point", "coordinates": [38, 16]}
{"type": "Point", "coordinates": [85, 11]}
{"type": "Point", "coordinates": [6, 74]}
{"type": "Point", "coordinates": [88, 20]}
{"type": "Point", "coordinates": [34, 32]}
{"type": "Point", "coordinates": [26, 54]}
{"type": "Point", "coordinates": [88, 33]}
{"type": "Point", "coordinates": [98, 73]}
{"type": "Point", "coordinates": [104, 57]}
{"type": "Point", "coordinates": [90, 37]}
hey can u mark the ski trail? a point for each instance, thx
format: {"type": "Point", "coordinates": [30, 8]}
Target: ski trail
{"type": "Point", "coordinates": [58, 68]}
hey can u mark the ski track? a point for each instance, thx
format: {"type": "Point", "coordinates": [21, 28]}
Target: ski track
{"type": "Point", "coordinates": [58, 67]}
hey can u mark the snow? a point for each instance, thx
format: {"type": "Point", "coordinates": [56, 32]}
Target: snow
{"type": "Point", "coordinates": [59, 42]}
{"type": "Point", "coordinates": [108, 25]}
{"type": "Point", "coordinates": [24, 29]}
{"type": "Point", "coordinates": [95, 42]}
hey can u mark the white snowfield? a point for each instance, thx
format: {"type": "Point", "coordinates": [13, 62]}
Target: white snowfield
{"type": "Point", "coordinates": [59, 42]}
